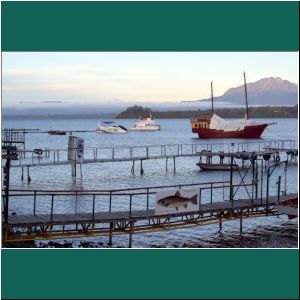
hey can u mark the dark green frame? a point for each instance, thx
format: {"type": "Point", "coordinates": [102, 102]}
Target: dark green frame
{"type": "Point", "coordinates": [156, 26]}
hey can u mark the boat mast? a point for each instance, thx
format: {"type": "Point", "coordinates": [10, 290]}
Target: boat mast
{"type": "Point", "coordinates": [245, 84]}
{"type": "Point", "coordinates": [212, 97]}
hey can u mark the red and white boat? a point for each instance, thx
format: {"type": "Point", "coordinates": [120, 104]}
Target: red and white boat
{"type": "Point", "coordinates": [214, 126]}
{"type": "Point", "coordinates": [288, 207]}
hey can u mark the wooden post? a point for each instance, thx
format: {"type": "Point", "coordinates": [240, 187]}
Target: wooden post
{"type": "Point", "coordinates": [110, 234]}
{"type": "Point", "coordinates": [80, 165]}
{"type": "Point", "coordinates": [110, 199]}
{"type": "Point", "coordinates": [34, 203]}
{"type": "Point", "coordinates": [147, 198]}
{"type": "Point", "coordinates": [94, 198]}
{"type": "Point", "coordinates": [241, 222]}
{"type": "Point", "coordinates": [278, 188]}
{"type": "Point", "coordinates": [141, 169]}
{"type": "Point", "coordinates": [231, 179]}
{"type": "Point", "coordinates": [28, 174]}
{"type": "Point", "coordinates": [130, 235]}
{"type": "Point", "coordinates": [52, 200]}
{"type": "Point", "coordinates": [174, 164]}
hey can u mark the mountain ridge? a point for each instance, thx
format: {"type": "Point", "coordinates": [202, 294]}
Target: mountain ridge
{"type": "Point", "coordinates": [265, 91]}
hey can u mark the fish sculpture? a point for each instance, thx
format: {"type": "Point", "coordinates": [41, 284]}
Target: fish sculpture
{"type": "Point", "coordinates": [176, 201]}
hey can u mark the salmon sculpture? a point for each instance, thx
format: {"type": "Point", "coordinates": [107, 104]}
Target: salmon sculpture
{"type": "Point", "coordinates": [177, 200]}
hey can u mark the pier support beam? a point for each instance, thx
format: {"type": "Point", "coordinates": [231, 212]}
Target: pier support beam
{"type": "Point", "coordinates": [241, 223]}
{"type": "Point", "coordinates": [132, 168]}
{"type": "Point", "coordinates": [73, 169]}
{"type": "Point", "coordinates": [130, 234]}
{"type": "Point", "coordinates": [174, 164]}
{"type": "Point", "coordinates": [141, 170]}
{"type": "Point", "coordinates": [110, 234]}
{"type": "Point", "coordinates": [220, 224]}
{"type": "Point", "coordinates": [22, 174]}
{"type": "Point", "coordinates": [28, 175]}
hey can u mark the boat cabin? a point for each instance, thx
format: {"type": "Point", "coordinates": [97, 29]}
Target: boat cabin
{"type": "Point", "coordinates": [200, 123]}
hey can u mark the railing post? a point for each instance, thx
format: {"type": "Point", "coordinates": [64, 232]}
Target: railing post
{"type": "Point", "coordinates": [147, 198]}
{"type": "Point", "coordinates": [130, 205]}
{"type": "Point", "coordinates": [211, 193]}
{"type": "Point", "coordinates": [285, 178]}
{"type": "Point", "coordinates": [267, 192]}
{"type": "Point", "coordinates": [52, 200]}
{"type": "Point", "coordinates": [256, 180]}
{"type": "Point", "coordinates": [94, 198]}
{"type": "Point", "coordinates": [231, 179]}
{"type": "Point", "coordinates": [110, 199]}
{"type": "Point", "coordinates": [34, 203]}
{"type": "Point", "coordinates": [200, 198]}
{"type": "Point", "coordinates": [75, 202]}
{"type": "Point", "coordinates": [278, 188]}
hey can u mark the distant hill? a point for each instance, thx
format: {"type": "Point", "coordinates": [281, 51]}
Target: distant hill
{"type": "Point", "coordinates": [134, 112]}
{"type": "Point", "coordinates": [266, 91]}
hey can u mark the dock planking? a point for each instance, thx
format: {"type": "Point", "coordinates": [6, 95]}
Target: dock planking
{"type": "Point", "coordinates": [126, 216]}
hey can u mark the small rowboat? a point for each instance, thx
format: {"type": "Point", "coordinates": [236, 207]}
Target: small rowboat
{"type": "Point", "coordinates": [288, 207]}
{"type": "Point", "coordinates": [217, 167]}
{"type": "Point", "coordinates": [57, 132]}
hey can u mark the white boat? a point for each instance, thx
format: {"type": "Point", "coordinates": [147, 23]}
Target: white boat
{"type": "Point", "coordinates": [146, 123]}
{"type": "Point", "coordinates": [110, 127]}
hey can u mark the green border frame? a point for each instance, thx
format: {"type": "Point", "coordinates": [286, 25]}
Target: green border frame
{"type": "Point", "coordinates": [149, 274]}
{"type": "Point", "coordinates": [150, 26]}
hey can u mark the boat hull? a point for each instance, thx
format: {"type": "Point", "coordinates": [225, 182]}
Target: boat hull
{"type": "Point", "coordinates": [111, 129]}
{"type": "Point", "coordinates": [249, 132]}
{"type": "Point", "coordinates": [288, 207]}
{"type": "Point", "coordinates": [217, 167]}
{"type": "Point", "coordinates": [154, 128]}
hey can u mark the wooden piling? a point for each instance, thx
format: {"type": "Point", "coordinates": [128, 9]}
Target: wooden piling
{"type": "Point", "coordinates": [130, 235]}
{"type": "Point", "coordinates": [174, 164]}
{"type": "Point", "coordinates": [110, 234]}
{"type": "Point", "coordinates": [28, 174]}
{"type": "Point", "coordinates": [141, 168]}
{"type": "Point", "coordinates": [241, 222]}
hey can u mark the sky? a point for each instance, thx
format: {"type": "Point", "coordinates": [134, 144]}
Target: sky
{"type": "Point", "coordinates": [39, 78]}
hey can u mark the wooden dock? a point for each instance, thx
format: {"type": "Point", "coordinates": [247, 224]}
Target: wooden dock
{"type": "Point", "coordinates": [136, 155]}
{"type": "Point", "coordinates": [57, 226]}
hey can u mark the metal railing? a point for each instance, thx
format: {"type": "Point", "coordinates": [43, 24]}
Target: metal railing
{"type": "Point", "coordinates": [94, 154]}
{"type": "Point", "coordinates": [48, 198]}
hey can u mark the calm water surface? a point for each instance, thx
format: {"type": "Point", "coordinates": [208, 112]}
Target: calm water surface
{"type": "Point", "coordinates": [261, 232]}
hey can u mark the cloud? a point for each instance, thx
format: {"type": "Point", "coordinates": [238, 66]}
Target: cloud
{"type": "Point", "coordinates": [44, 102]}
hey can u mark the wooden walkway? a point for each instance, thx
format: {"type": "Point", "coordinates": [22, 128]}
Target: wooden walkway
{"type": "Point", "coordinates": [57, 157]}
{"type": "Point", "coordinates": [107, 217]}
{"type": "Point", "coordinates": [45, 226]}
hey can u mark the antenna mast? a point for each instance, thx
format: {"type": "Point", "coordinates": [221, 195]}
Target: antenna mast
{"type": "Point", "coordinates": [247, 110]}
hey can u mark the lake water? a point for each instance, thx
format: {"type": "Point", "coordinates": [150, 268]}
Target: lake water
{"type": "Point", "coordinates": [261, 232]}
